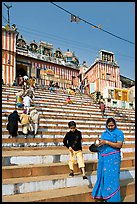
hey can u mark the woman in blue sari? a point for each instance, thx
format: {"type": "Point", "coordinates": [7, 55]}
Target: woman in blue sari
{"type": "Point", "coordinates": [107, 186]}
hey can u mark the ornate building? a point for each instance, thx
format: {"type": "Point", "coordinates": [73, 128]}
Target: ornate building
{"type": "Point", "coordinates": [104, 72]}
{"type": "Point", "coordinates": [42, 61]}
{"type": "Point", "coordinates": [39, 60]}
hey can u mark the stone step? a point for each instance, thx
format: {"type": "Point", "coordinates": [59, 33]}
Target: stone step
{"type": "Point", "coordinates": [54, 123]}
{"type": "Point", "coordinates": [77, 106]}
{"type": "Point", "coordinates": [43, 153]}
{"type": "Point", "coordinates": [50, 101]}
{"type": "Point", "coordinates": [60, 132]}
{"type": "Point", "coordinates": [70, 194]}
{"type": "Point", "coordinates": [126, 154]}
{"type": "Point", "coordinates": [88, 123]}
{"type": "Point", "coordinates": [59, 138]}
{"type": "Point", "coordinates": [50, 149]}
{"type": "Point", "coordinates": [128, 143]}
{"type": "Point", "coordinates": [39, 183]}
{"type": "Point", "coordinates": [45, 105]}
{"type": "Point", "coordinates": [63, 131]}
{"type": "Point", "coordinates": [47, 96]}
{"type": "Point", "coordinates": [58, 118]}
{"type": "Point", "coordinates": [39, 155]}
{"type": "Point", "coordinates": [31, 155]}
{"type": "Point", "coordinates": [57, 167]}
{"type": "Point", "coordinates": [54, 133]}
{"type": "Point", "coordinates": [74, 111]}
{"type": "Point", "coordinates": [129, 198]}
{"type": "Point", "coordinates": [27, 143]}
{"type": "Point", "coordinates": [60, 99]}
{"type": "Point", "coordinates": [61, 109]}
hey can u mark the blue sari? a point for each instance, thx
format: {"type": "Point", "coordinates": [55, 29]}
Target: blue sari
{"type": "Point", "coordinates": [107, 186]}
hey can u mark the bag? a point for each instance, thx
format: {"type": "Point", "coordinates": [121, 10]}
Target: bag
{"type": "Point", "coordinates": [19, 105]}
{"type": "Point", "coordinates": [93, 148]}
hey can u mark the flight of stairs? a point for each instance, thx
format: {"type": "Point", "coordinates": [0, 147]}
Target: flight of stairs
{"type": "Point", "coordinates": [36, 169]}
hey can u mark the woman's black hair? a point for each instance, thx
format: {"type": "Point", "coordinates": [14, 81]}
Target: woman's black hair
{"type": "Point", "coordinates": [71, 123]}
{"type": "Point", "coordinates": [111, 120]}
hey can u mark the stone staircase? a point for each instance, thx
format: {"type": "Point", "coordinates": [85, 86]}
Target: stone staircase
{"type": "Point", "coordinates": [36, 169]}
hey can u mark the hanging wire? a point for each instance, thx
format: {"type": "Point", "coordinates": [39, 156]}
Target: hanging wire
{"type": "Point", "coordinates": [93, 25]}
{"type": "Point", "coordinates": [64, 41]}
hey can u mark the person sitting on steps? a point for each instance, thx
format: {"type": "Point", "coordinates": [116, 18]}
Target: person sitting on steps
{"type": "Point", "coordinates": [72, 141]}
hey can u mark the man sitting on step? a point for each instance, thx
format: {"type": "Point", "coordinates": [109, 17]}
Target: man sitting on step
{"type": "Point", "coordinates": [69, 101]}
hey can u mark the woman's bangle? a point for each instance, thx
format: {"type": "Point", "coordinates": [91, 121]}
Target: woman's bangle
{"type": "Point", "coordinates": [106, 142]}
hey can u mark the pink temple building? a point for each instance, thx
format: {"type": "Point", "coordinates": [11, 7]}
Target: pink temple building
{"type": "Point", "coordinates": [104, 72]}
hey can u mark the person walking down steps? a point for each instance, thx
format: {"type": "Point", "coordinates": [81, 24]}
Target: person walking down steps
{"type": "Point", "coordinates": [72, 141]}
{"type": "Point", "coordinates": [102, 108]}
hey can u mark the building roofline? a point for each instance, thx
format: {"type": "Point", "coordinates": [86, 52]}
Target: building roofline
{"type": "Point", "coordinates": [106, 51]}
{"type": "Point", "coordinates": [127, 78]}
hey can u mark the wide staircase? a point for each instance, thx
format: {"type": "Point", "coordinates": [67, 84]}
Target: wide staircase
{"type": "Point", "coordinates": [36, 169]}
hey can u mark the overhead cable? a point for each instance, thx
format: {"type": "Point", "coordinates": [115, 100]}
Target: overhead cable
{"type": "Point", "coordinates": [100, 28]}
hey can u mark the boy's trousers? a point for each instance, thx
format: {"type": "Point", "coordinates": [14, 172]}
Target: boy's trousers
{"type": "Point", "coordinates": [80, 159]}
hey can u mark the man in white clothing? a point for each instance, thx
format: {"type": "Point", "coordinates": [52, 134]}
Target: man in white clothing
{"type": "Point", "coordinates": [25, 77]}
{"type": "Point", "coordinates": [26, 101]}
{"type": "Point", "coordinates": [35, 117]}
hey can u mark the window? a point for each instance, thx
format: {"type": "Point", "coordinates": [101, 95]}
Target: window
{"type": "Point", "coordinates": [108, 77]}
{"type": "Point", "coordinates": [123, 104]}
{"type": "Point", "coordinates": [130, 105]}
{"type": "Point", "coordinates": [114, 103]}
{"type": "Point", "coordinates": [108, 59]}
{"type": "Point", "coordinates": [102, 76]}
{"type": "Point", "coordinates": [38, 73]}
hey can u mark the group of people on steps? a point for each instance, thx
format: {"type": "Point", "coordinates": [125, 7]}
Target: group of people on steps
{"type": "Point", "coordinates": [107, 185]}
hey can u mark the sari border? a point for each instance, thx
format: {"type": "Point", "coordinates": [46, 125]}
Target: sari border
{"type": "Point", "coordinates": [105, 198]}
{"type": "Point", "coordinates": [112, 194]}
{"type": "Point", "coordinates": [110, 153]}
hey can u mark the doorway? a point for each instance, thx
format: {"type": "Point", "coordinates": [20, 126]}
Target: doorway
{"type": "Point", "coordinates": [21, 69]}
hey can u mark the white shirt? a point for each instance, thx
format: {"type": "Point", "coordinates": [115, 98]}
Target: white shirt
{"type": "Point", "coordinates": [27, 101]}
{"type": "Point", "coordinates": [34, 114]}
{"type": "Point", "coordinates": [25, 77]}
